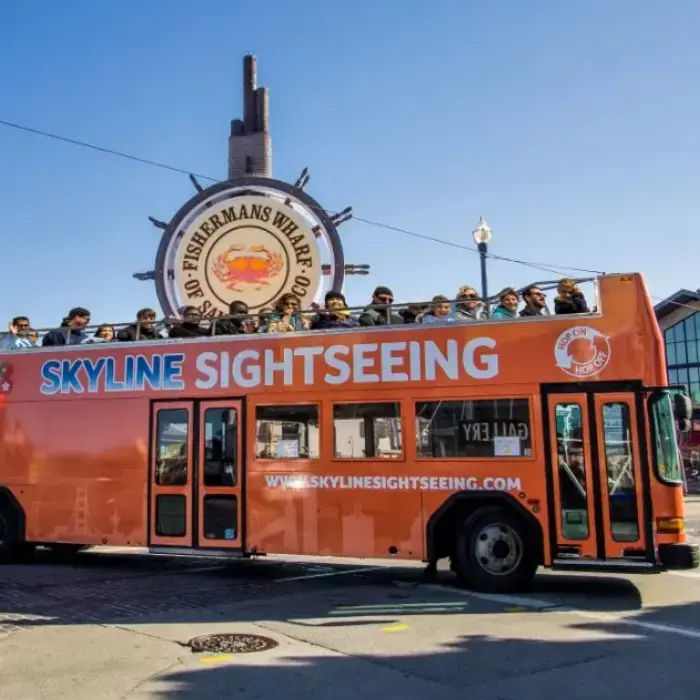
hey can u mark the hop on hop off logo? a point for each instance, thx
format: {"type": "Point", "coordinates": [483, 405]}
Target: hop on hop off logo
{"type": "Point", "coordinates": [582, 351]}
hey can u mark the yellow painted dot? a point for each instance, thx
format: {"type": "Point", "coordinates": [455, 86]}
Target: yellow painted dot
{"type": "Point", "coordinates": [395, 628]}
{"type": "Point", "coordinates": [516, 608]}
{"type": "Point", "coordinates": [216, 659]}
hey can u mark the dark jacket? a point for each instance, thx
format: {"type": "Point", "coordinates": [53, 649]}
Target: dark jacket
{"type": "Point", "coordinates": [325, 320]}
{"type": "Point", "coordinates": [575, 304]}
{"type": "Point", "coordinates": [129, 333]}
{"type": "Point", "coordinates": [187, 330]}
{"type": "Point", "coordinates": [377, 316]}
{"type": "Point", "coordinates": [58, 337]}
{"type": "Point", "coordinates": [229, 326]}
{"type": "Point", "coordinates": [534, 311]}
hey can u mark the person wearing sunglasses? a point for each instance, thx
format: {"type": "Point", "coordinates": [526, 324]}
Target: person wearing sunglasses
{"type": "Point", "coordinates": [378, 313]}
{"type": "Point", "coordinates": [535, 302]}
{"type": "Point", "coordinates": [468, 306]}
{"type": "Point", "coordinates": [19, 335]}
{"type": "Point", "coordinates": [287, 316]}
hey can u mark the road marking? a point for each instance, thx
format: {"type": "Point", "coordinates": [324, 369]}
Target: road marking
{"type": "Point", "coordinates": [632, 622]}
{"type": "Point", "coordinates": [332, 573]}
{"type": "Point", "coordinates": [217, 659]}
{"type": "Point", "coordinates": [514, 600]}
{"type": "Point", "coordinates": [395, 628]}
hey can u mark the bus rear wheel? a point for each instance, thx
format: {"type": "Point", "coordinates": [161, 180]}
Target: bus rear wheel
{"type": "Point", "coordinates": [494, 552]}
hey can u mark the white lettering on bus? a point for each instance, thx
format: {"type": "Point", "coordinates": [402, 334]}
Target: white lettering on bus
{"type": "Point", "coordinates": [393, 483]}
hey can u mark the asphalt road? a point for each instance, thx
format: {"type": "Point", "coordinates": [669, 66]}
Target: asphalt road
{"type": "Point", "coordinates": [106, 625]}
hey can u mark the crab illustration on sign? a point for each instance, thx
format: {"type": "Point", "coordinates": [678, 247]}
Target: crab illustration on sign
{"type": "Point", "coordinates": [582, 351]}
{"type": "Point", "coordinates": [254, 267]}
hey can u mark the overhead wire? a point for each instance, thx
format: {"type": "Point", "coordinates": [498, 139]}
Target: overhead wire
{"type": "Point", "coordinates": [547, 267]}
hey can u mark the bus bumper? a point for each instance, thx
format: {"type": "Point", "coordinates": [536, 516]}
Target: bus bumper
{"type": "Point", "coordinates": [679, 556]}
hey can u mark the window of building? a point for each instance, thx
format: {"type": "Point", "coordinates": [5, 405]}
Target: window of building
{"type": "Point", "coordinates": [370, 431]}
{"type": "Point", "coordinates": [480, 428]}
{"type": "Point", "coordinates": [286, 432]}
{"type": "Point", "coordinates": [682, 342]}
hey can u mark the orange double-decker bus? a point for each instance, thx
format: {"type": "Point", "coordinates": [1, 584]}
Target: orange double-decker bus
{"type": "Point", "coordinates": [502, 445]}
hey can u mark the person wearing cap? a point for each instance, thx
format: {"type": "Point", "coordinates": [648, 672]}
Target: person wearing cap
{"type": "Point", "coordinates": [379, 313]}
{"type": "Point", "coordinates": [72, 331]}
{"type": "Point", "coordinates": [468, 306]}
{"type": "Point", "coordinates": [335, 315]}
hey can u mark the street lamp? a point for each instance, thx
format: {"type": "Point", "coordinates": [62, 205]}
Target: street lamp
{"type": "Point", "coordinates": [482, 236]}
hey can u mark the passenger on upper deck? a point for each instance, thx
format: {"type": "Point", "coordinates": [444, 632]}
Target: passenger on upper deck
{"type": "Point", "coordinates": [413, 312]}
{"type": "Point", "coordinates": [71, 331]}
{"type": "Point", "coordinates": [287, 316]}
{"type": "Point", "coordinates": [235, 324]}
{"type": "Point", "coordinates": [377, 313]}
{"type": "Point", "coordinates": [508, 305]}
{"type": "Point", "coordinates": [103, 334]}
{"type": "Point", "coordinates": [19, 335]}
{"type": "Point", "coordinates": [336, 314]}
{"type": "Point", "coordinates": [189, 327]}
{"type": "Point", "coordinates": [440, 311]}
{"type": "Point", "coordinates": [569, 299]}
{"type": "Point", "coordinates": [145, 325]}
{"type": "Point", "coordinates": [535, 302]}
{"type": "Point", "coordinates": [468, 305]}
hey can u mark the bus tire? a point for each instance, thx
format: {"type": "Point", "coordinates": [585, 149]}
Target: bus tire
{"type": "Point", "coordinates": [10, 532]}
{"type": "Point", "coordinates": [494, 552]}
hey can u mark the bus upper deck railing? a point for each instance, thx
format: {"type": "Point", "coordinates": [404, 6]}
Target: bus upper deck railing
{"type": "Point", "coordinates": [208, 326]}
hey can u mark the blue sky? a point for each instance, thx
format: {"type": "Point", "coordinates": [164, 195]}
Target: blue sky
{"type": "Point", "coordinates": [571, 127]}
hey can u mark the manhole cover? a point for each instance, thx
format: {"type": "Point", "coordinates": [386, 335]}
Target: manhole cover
{"type": "Point", "coordinates": [231, 643]}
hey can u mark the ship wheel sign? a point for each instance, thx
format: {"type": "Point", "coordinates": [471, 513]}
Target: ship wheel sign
{"type": "Point", "coordinates": [251, 239]}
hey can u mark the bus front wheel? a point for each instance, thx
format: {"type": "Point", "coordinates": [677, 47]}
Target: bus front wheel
{"type": "Point", "coordinates": [494, 552]}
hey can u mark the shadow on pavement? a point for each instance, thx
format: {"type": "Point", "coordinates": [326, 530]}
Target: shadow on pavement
{"type": "Point", "coordinates": [596, 659]}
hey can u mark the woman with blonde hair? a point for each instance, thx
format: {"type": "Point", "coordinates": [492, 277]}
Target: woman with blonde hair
{"type": "Point", "coordinates": [569, 299]}
{"type": "Point", "coordinates": [468, 306]}
{"type": "Point", "coordinates": [286, 317]}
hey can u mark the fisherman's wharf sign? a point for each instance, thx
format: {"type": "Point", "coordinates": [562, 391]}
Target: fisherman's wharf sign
{"type": "Point", "coordinates": [253, 240]}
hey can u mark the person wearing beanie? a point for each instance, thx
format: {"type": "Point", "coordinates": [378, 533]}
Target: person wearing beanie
{"type": "Point", "coordinates": [336, 314]}
{"type": "Point", "coordinates": [379, 313]}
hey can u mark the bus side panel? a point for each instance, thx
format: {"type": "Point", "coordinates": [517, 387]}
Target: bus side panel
{"type": "Point", "coordinates": [332, 521]}
{"type": "Point", "coordinates": [79, 468]}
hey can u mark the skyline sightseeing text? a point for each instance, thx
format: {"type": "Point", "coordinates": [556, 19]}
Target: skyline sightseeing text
{"type": "Point", "coordinates": [337, 364]}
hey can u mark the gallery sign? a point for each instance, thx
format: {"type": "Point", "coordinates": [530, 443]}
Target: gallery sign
{"type": "Point", "coordinates": [252, 239]}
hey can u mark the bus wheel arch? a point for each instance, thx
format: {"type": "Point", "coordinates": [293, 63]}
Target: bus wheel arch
{"type": "Point", "coordinates": [12, 525]}
{"type": "Point", "coordinates": [451, 532]}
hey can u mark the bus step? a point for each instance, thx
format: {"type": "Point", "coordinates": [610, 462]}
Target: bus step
{"type": "Point", "coordinates": [610, 565]}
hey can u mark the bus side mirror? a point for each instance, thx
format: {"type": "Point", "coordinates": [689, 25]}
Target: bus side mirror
{"type": "Point", "coordinates": [682, 408]}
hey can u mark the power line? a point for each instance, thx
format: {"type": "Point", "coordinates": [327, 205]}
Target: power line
{"type": "Point", "coordinates": [547, 267]}
{"type": "Point", "coordinates": [111, 151]}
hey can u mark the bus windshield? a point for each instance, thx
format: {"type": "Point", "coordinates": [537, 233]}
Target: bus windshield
{"type": "Point", "coordinates": [665, 447]}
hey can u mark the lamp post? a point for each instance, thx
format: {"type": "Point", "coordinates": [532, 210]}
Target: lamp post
{"type": "Point", "coordinates": [482, 236]}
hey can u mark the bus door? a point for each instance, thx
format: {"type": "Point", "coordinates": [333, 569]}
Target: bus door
{"type": "Point", "coordinates": [598, 493]}
{"type": "Point", "coordinates": [195, 475]}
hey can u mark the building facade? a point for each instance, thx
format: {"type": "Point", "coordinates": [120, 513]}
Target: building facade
{"type": "Point", "coordinates": [679, 320]}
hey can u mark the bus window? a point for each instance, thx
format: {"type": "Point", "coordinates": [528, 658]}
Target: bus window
{"type": "Point", "coordinates": [367, 430]}
{"type": "Point", "coordinates": [622, 495]}
{"type": "Point", "coordinates": [286, 432]}
{"type": "Point", "coordinates": [665, 448]}
{"type": "Point", "coordinates": [480, 428]}
{"type": "Point", "coordinates": [572, 471]}
{"type": "Point", "coordinates": [220, 447]}
{"type": "Point", "coordinates": [171, 441]}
